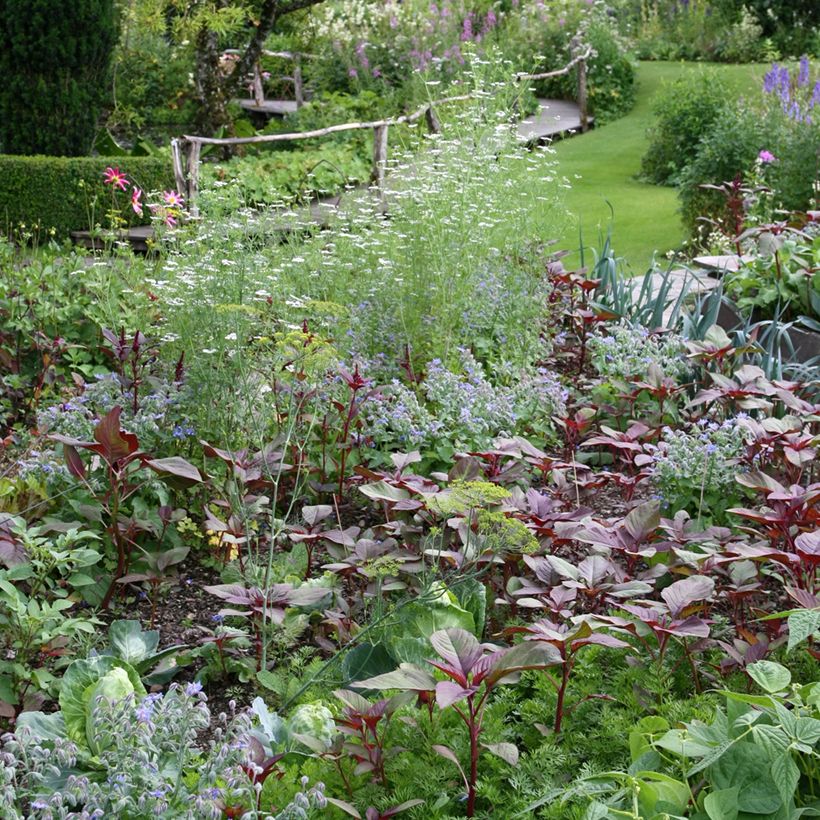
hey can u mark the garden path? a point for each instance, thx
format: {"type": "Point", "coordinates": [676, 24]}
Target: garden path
{"type": "Point", "coordinates": [554, 117]}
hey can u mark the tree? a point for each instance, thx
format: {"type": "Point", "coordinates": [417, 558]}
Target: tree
{"type": "Point", "coordinates": [212, 26]}
{"type": "Point", "coordinates": [55, 58]}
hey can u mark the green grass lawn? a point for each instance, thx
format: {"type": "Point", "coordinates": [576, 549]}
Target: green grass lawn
{"type": "Point", "coordinates": [602, 165]}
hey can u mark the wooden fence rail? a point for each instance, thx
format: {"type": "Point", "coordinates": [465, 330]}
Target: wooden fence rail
{"type": "Point", "coordinates": [186, 150]}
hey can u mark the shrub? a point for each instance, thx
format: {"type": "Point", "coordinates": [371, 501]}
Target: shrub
{"type": "Point", "coordinates": [685, 110]}
{"type": "Point", "coordinates": [54, 59]}
{"type": "Point", "coordinates": [61, 194]}
{"type": "Point", "coordinates": [730, 149]}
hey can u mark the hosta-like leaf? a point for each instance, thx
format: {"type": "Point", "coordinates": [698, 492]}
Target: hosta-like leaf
{"type": "Point", "coordinates": [176, 470]}
{"type": "Point", "coordinates": [722, 804]}
{"type": "Point", "coordinates": [458, 648]}
{"type": "Point", "coordinates": [406, 677]}
{"type": "Point", "coordinates": [449, 692]}
{"type": "Point", "coordinates": [684, 593]}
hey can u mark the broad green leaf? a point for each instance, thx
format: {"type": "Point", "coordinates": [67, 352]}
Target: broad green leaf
{"type": "Point", "coordinates": [76, 691]}
{"type": "Point", "coordinates": [770, 676]}
{"type": "Point", "coordinates": [722, 804]}
{"type": "Point", "coordinates": [366, 661]}
{"type": "Point", "coordinates": [130, 643]}
{"type": "Point", "coordinates": [472, 596]}
{"type": "Point", "coordinates": [406, 677]}
{"type": "Point", "coordinates": [803, 624]}
{"type": "Point", "coordinates": [786, 775]}
{"type": "Point", "coordinates": [747, 767]}
{"type": "Point", "coordinates": [43, 726]}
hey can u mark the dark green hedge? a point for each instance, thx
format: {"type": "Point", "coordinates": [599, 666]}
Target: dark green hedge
{"type": "Point", "coordinates": [68, 194]}
{"type": "Point", "coordinates": [55, 61]}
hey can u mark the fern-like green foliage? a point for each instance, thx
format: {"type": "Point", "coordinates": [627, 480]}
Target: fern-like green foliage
{"type": "Point", "coordinates": [55, 59]}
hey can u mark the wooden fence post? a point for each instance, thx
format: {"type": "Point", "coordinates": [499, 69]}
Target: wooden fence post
{"type": "Point", "coordinates": [582, 93]}
{"type": "Point", "coordinates": [298, 87]}
{"type": "Point", "coordinates": [194, 149]}
{"type": "Point", "coordinates": [180, 177]}
{"type": "Point", "coordinates": [433, 123]}
{"type": "Point", "coordinates": [379, 156]}
{"type": "Point", "coordinates": [258, 88]}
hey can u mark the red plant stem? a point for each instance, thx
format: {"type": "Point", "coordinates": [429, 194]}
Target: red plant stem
{"type": "Point", "coordinates": [345, 433]}
{"type": "Point", "coordinates": [562, 691]}
{"type": "Point", "coordinates": [692, 666]}
{"type": "Point", "coordinates": [474, 730]}
{"type": "Point", "coordinates": [116, 535]}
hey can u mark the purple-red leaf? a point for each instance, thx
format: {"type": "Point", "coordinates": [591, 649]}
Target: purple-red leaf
{"type": "Point", "coordinates": [448, 693]}
{"type": "Point", "coordinates": [684, 593]}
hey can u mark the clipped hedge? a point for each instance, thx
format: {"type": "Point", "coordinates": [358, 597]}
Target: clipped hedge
{"type": "Point", "coordinates": [64, 194]}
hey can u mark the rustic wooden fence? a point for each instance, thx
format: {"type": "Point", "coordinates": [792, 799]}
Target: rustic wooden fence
{"type": "Point", "coordinates": [257, 86]}
{"type": "Point", "coordinates": [186, 150]}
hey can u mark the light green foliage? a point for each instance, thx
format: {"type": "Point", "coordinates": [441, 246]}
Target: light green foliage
{"type": "Point", "coordinates": [502, 535]}
{"type": "Point", "coordinates": [783, 278]}
{"type": "Point", "coordinates": [464, 497]}
{"type": "Point", "coordinates": [684, 111]}
{"type": "Point", "coordinates": [37, 592]}
{"type": "Point", "coordinates": [285, 177]}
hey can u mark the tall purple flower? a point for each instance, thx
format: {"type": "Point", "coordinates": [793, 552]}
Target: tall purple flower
{"type": "Point", "coordinates": [803, 72]}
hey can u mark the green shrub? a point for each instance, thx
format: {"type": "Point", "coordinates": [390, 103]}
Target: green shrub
{"type": "Point", "coordinates": [55, 59]}
{"type": "Point", "coordinates": [685, 111]}
{"type": "Point", "coordinates": [731, 147]}
{"type": "Point", "coordinates": [62, 194]}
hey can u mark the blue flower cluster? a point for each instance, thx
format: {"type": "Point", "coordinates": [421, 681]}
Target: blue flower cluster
{"type": "Point", "coordinates": [798, 97]}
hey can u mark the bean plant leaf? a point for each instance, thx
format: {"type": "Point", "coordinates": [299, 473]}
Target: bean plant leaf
{"type": "Point", "coordinates": [747, 767]}
{"type": "Point", "coordinates": [722, 804]}
{"type": "Point", "coordinates": [770, 676]}
{"type": "Point", "coordinates": [786, 776]}
{"type": "Point", "coordinates": [803, 624]}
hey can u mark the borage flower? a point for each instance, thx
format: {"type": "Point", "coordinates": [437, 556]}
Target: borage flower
{"type": "Point", "coordinates": [115, 177]}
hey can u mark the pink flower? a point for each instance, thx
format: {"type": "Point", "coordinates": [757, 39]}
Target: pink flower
{"type": "Point", "coordinates": [136, 200]}
{"type": "Point", "coordinates": [173, 199]}
{"type": "Point", "coordinates": [169, 220]}
{"type": "Point", "coordinates": [115, 177]}
{"type": "Point", "coordinates": [767, 157]}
